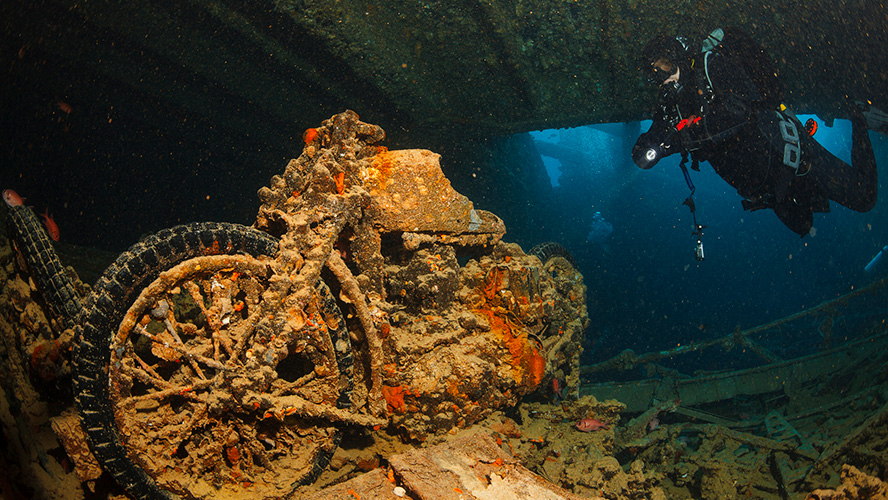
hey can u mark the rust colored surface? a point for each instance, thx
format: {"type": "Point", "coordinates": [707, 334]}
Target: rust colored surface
{"type": "Point", "coordinates": [235, 376]}
{"type": "Point", "coordinates": [391, 304]}
{"type": "Point", "coordinates": [471, 466]}
{"type": "Point", "coordinates": [413, 195]}
{"type": "Point", "coordinates": [445, 343]}
{"type": "Point", "coordinates": [373, 485]}
{"type": "Point", "coordinates": [67, 428]}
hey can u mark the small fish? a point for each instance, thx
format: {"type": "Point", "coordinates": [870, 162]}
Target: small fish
{"type": "Point", "coordinates": [51, 227]}
{"type": "Point", "coordinates": [556, 388]}
{"type": "Point", "coordinates": [591, 424]}
{"type": "Point", "coordinates": [12, 198]}
{"type": "Point", "coordinates": [64, 107]}
{"type": "Point", "coordinates": [653, 424]}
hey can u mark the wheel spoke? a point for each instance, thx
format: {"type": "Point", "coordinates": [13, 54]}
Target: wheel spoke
{"type": "Point", "coordinates": [211, 375]}
{"type": "Point", "coordinates": [181, 349]}
{"type": "Point", "coordinates": [292, 387]}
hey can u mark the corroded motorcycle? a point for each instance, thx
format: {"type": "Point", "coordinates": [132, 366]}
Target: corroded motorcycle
{"type": "Point", "coordinates": [216, 359]}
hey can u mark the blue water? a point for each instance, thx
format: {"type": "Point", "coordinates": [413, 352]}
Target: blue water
{"type": "Point", "coordinates": [646, 290]}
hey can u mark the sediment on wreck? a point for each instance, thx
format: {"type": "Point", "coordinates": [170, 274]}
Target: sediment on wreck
{"type": "Point", "coordinates": [216, 359]}
{"type": "Point", "coordinates": [456, 340]}
{"type": "Point", "coordinates": [373, 305]}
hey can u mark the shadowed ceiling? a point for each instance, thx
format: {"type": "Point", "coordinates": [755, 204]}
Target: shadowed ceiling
{"type": "Point", "coordinates": [220, 84]}
{"type": "Point", "coordinates": [500, 66]}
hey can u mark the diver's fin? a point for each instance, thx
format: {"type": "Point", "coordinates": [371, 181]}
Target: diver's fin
{"type": "Point", "coordinates": [876, 119]}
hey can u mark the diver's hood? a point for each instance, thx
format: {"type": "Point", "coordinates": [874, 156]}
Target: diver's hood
{"type": "Point", "coordinates": [675, 49]}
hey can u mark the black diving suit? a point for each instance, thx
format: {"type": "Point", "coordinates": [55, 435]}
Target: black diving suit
{"type": "Point", "coordinates": [719, 116]}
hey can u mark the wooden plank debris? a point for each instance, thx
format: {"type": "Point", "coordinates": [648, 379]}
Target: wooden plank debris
{"type": "Point", "coordinates": [469, 467]}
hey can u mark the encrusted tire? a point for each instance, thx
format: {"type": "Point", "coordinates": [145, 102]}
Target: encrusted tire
{"type": "Point", "coordinates": [43, 264]}
{"type": "Point", "coordinates": [197, 376]}
{"type": "Point", "coordinates": [550, 249]}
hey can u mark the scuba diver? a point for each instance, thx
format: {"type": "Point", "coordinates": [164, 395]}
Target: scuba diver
{"type": "Point", "coordinates": [722, 104]}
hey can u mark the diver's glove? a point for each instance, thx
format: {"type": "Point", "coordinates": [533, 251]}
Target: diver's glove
{"type": "Point", "coordinates": [650, 147]}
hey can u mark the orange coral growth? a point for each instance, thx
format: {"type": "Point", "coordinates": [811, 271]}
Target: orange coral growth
{"type": "Point", "coordinates": [233, 455]}
{"type": "Point", "coordinates": [453, 388]}
{"type": "Point", "coordinates": [384, 329]}
{"type": "Point", "coordinates": [536, 367]}
{"type": "Point", "coordinates": [493, 284]}
{"type": "Point", "coordinates": [527, 365]}
{"type": "Point", "coordinates": [310, 135]}
{"type": "Point", "coordinates": [44, 360]}
{"type": "Point", "coordinates": [340, 182]}
{"type": "Point", "coordinates": [384, 162]}
{"type": "Point", "coordinates": [394, 396]}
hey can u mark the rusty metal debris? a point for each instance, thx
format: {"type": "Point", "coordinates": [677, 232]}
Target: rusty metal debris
{"type": "Point", "coordinates": [470, 466]}
{"type": "Point", "coordinates": [777, 430]}
{"type": "Point", "coordinates": [389, 302]}
{"type": "Point", "coordinates": [377, 303]}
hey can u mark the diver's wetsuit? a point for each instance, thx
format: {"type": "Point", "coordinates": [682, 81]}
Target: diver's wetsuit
{"type": "Point", "coordinates": [741, 139]}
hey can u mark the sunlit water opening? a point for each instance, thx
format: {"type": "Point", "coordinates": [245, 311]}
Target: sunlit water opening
{"type": "Point", "coordinates": [631, 236]}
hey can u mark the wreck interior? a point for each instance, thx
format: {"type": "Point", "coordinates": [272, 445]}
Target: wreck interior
{"type": "Point", "coordinates": [127, 118]}
{"type": "Point", "coordinates": [225, 89]}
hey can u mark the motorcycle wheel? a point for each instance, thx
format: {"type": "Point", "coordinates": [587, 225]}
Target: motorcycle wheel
{"type": "Point", "coordinates": [198, 375]}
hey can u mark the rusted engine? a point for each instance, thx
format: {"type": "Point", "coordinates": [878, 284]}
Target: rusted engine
{"type": "Point", "coordinates": [215, 359]}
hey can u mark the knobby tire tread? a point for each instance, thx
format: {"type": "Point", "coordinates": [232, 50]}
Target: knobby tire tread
{"type": "Point", "coordinates": [105, 308]}
{"type": "Point", "coordinates": [549, 249]}
{"type": "Point", "coordinates": [44, 265]}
